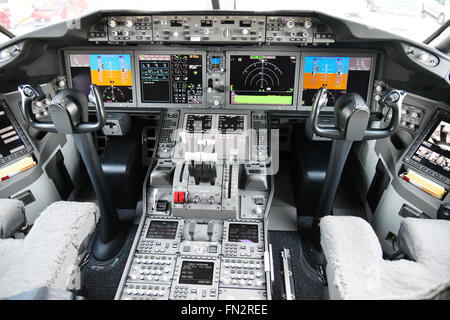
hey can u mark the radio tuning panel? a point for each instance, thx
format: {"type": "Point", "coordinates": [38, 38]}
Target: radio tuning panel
{"type": "Point", "coordinates": [209, 28]}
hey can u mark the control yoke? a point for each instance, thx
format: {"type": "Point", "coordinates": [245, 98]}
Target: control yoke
{"type": "Point", "coordinates": [352, 118]}
{"type": "Point", "coordinates": [69, 113]}
{"type": "Point", "coordinates": [68, 110]}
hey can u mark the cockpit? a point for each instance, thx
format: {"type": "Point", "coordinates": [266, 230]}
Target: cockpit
{"type": "Point", "coordinates": [224, 155]}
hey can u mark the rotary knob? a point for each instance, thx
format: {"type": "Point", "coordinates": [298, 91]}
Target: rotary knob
{"type": "Point", "coordinates": [112, 23]}
{"type": "Point", "coordinates": [175, 34]}
{"type": "Point", "coordinates": [245, 31]}
{"type": "Point", "coordinates": [308, 23]}
{"type": "Point", "coordinates": [290, 24]}
{"type": "Point", "coordinates": [126, 33]}
{"type": "Point", "coordinates": [205, 31]}
{"type": "Point", "coordinates": [128, 23]}
{"type": "Point", "coordinates": [114, 33]}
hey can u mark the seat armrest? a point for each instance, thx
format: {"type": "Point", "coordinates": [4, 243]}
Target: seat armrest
{"type": "Point", "coordinates": [12, 217]}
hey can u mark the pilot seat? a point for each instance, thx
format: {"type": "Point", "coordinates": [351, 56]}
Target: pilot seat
{"type": "Point", "coordinates": [49, 255]}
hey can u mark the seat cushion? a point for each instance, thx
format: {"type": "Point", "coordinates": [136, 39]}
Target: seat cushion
{"type": "Point", "coordinates": [12, 217]}
{"type": "Point", "coordinates": [47, 255]}
{"type": "Point", "coordinates": [427, 242]}
{"type": "Point", "coordinates": [356, 268]}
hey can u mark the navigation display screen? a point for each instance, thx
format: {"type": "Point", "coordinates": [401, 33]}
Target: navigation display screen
{"type": "Point", "coordinates": [110, 72]}
{"type": "Point", "coordinates": [243, 233]}
{"type": "Point", "coordinates": [196, 272]}
{"type": "Point", "coordinates": [171, 78]}
{"type": "Point", "coordinates": [339, 75]}
{"type": "Point", "coordinates": [162, 229]}
{"type": "Point", "coordinates": [262, 79]}
{"type": "Point", "coordinates": [10, 141]}
{"type": "Point", "coordinates": [434, 151]}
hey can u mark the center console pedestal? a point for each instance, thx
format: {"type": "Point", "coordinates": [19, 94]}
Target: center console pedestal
{"type": "Point", "coordinates": [206, 202]}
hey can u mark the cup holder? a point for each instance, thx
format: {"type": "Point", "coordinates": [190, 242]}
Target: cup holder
{"type": "Point", "coordinates": [401, 139]}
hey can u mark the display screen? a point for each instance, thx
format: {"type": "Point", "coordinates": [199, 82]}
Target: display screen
{"type": "Point", "coordinates": [10, 141]}
{"type": "Point", "coordinates": [434, 151]}
{"type": "Point", "coordinates": [198, 123]}
{"type": "Point", "coordinates": [159, 229]}
{"type": "Point", "coordinates": [243, 233]}
{"type": "Point", "coordinates": [231, 124]}
{"type": "Point", "coordinates": [110, 72]}
{"type": "Point", "coordinates": [339, 75]}
{"type": "Point", "coordinates": [171, 78]}
{"type": "Point", "coordinates": [262, 79]}
{"type": "Point", "coordinates": [196, 272]}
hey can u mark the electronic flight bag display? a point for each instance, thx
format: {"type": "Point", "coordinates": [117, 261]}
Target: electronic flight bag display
{"type": "Point", "coordinates": [339, 75]}
{"type": "Point", "coordinates": [262, 79]}
{"type": "Point", "coordinates": [112, 73]}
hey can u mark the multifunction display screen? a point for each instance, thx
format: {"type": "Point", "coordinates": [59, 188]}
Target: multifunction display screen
{"type": "Point", "coordinates": [262, 79]}
{"type": "Point", "coordinates": [10, 141]}
{"type": "Point", "coordinates": [198, 123]}
{"type": "Point", "coordinates": [434, 151]}
{"type": "Point", "coordinates": [238, 232]}
{"type": "Point", "coordinates": [159, 229]}
{"type": "Point", "coordinates": [110, 72]}
{"type": "Point", "coordinates": [196, 272]}
{"type": "Point", "coordinates": [339, 75]}
{"type": "Point", "coordinates": [171, 78]}
{"type": "Point", "coordinates": [231, 124]}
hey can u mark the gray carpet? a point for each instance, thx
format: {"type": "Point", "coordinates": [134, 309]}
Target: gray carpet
{"type": "Point", "coordinates": [307, 284]}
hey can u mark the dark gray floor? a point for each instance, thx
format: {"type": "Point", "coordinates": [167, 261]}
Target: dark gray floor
{"type": "Point", "coordinates": [100, 279]}
{"type": "Point", "coordinates": [307, 284]}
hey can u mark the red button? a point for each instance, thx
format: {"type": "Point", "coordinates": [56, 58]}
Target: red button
{"type": "Point", "coordinates": [181, 197]}
{"type": "Point", "coordinates": [175, 197]}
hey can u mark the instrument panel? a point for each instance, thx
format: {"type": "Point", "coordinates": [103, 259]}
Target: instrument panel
{"type": "Point", "coordinates": [212, 28]}
{"type": "Point", "coordinates": [236, 79]}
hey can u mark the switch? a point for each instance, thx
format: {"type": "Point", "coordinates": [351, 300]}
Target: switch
{"type": "Point", "coordinates": [181, 196]}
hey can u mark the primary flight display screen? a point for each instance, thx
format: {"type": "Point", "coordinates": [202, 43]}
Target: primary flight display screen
{"type": "Point", "coordinates": [262, 79]}
{"type": "Point", "coordinates": [171, 78]}
{"type": "Point", "coordinates": [110, 72]}
{"type": "Point", "coordinates": [339, 75]}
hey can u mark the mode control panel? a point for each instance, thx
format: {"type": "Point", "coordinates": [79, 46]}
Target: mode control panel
{"type": "Point", "coordinates": [289, 29]}
{"type": "Point", "coordinates": [129, 28]}
{"type": "Point", "coordinates": [161, 235]}
{"type": "Point", "coordinates": [209, 28]}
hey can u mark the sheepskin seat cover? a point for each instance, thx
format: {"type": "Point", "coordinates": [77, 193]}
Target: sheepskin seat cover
{"type": "Point", "coordinates": [356, 268]}
{"type": "Point", "coordinates": [47, 255]}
